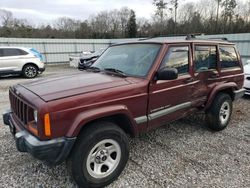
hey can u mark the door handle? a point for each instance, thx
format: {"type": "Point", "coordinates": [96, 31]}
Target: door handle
{"type": "Point", "coordinates": [214, 75]}
{"type": "Point", "coordinates": [188, 80]}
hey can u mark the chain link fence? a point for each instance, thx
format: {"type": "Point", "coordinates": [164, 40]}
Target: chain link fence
{"type": "Point", "coordinates": [59, 50]}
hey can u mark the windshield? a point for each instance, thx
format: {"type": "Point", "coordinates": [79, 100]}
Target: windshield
{"type": "Point", "coordinates": [130, 59]}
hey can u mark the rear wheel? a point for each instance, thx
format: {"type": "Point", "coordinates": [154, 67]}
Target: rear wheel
{"type": "Point", "coordinates": [99, 156]}
{"type": "Point", "coordinates": [30, 71]}
{"type": "Point", "coordinates": [219, 114]}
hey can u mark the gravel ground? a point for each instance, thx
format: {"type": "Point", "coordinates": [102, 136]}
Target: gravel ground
{"type": "Point", "coordinates": [180, 154]}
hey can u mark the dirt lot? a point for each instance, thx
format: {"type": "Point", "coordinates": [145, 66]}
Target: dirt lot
{"type": "Point", "coordinates": [180, 154]}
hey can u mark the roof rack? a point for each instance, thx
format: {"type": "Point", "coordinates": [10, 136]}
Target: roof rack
{"type": "Point", "coordinates": [172, 35]}
{"type": "Point", "coordinates": [219, 38]}
{"type": "Point", "coordinates": [190, 36]}
{"type": "Point", "coordinates": [193, 35]}
{"type": "Point", "coordinates": [147, 38]}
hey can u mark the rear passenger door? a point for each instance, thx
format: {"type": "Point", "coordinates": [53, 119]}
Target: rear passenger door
{"type": "Point", "coordinates": [171, 99]}
{"type": "Point", "coordinates": [205, 66]}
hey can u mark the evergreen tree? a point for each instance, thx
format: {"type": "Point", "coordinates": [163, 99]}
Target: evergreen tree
{"type": "Point", "coordinates": [131, 26]}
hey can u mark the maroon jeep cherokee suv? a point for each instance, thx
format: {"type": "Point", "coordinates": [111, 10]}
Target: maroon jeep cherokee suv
{"type": "Point", "coordinates": [85, 118]}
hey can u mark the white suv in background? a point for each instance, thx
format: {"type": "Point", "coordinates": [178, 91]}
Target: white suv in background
{"type": "Point", "coordinates": [247, 78]}
{"type": "Point", "coordinates": [19, 60]}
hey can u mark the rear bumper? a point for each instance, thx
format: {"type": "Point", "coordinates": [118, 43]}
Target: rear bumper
{"type": "Point", "coordinates": [53, 151]}
{"type": "Point", "coordinates": [41, 69]}
{"type": "Point", "coordinates": [239, 93]}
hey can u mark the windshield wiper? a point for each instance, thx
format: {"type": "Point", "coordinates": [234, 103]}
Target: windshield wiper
{"type": "Point", "coordinates": [93, 69]}
{"type": "Point", "coordinates": [116, 71]}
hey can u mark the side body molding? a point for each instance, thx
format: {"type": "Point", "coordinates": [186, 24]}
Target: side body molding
{"type": "Point", "coordinates": [164, 111]}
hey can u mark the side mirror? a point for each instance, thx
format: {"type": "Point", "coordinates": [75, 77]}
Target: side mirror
{"type": "Point", "coordinates": [167, 74]}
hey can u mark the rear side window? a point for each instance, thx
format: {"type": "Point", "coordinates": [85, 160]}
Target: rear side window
{"type": "Point", "coordinates": [228, 57]}
{"type": "Point", "coordinates": [177, 57]}
{"type": "Point", "coordinates": [22, 52]}
{"type": "Point", "coordinates": [4, 52]}
{"type": "Point", "coordinates": [205, 58]}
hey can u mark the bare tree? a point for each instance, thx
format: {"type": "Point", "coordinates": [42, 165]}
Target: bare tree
{"type": "Point", "coordinates": [100, 24]}
{"type": "Point", "coordinates": [175, 4]}
{"type": "Point", "coordinates": [171, 17]}
{"type": "Point", "coordinates": [114, 22]}
{"type": "Point", "coordinates": [6, 18]}
{"type": "Point", "coordinates": [124, 14]}
{"type": "Point", "coordinates": [207, 9]}
{"type": "Point", "coordinates": [228, 9]}
{"type": "Point", "coordinates": [186, 12]}
{"type": "Point", "coordinates": [217, 12]}
{"type": "Point", "coordinates": [143, 27]}
{"type": "Point", "coordinates": [161, 6]}
{"type": "Point", "coordinates": [66, 24]}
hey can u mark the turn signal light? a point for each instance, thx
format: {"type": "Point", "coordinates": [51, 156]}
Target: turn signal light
{"type": "Point", "coordinates": [47, 128]}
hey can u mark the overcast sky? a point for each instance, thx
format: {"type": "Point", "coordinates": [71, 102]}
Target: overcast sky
{"type": "Point", "coordinates": [44, 11]}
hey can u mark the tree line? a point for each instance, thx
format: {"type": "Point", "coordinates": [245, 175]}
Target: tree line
{"type": "Point", "coordinates": [171, 17]}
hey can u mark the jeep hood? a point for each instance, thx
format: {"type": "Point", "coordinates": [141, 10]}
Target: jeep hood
{"type": "Point", "coordinates": [53, 88]}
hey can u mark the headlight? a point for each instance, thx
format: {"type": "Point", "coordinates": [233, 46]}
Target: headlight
{"type": "Point", "coordinates": [35, 115]}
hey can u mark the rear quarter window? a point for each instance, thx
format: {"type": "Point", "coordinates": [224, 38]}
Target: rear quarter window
{"type": "Point", "coordinates": [228, 57]}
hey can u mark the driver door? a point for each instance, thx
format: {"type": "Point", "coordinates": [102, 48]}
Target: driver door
{"type": "Point", "coordinates": [171, 99]}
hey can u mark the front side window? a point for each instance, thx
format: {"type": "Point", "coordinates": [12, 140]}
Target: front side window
{"type": "Point", "coordinates": [205, 58]}
{"type": "Point", "coordinates": [131, 59]}
{"type": "Point", "coordinates": [177, 57]}
{"type": "Point", "coordinates": [228, 57]}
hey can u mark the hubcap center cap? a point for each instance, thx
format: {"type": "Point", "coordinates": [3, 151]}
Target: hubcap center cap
{"type": "Point", "coordinates": [101, 156]}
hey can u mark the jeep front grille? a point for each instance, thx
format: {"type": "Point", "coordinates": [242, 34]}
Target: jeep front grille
{"type": "Point", "coordinates": [21, 109]}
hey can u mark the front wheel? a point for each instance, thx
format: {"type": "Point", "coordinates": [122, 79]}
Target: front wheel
{"type": "Point", "coordinates": [99, 155]}
{"type": "Point", "coordinates": [219, 114]}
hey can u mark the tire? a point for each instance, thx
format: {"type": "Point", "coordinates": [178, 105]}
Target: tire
{"type": "Point", "coordinates": [219, 113]}
{"type": "Point", "coordinates": [90, 161]}
{"type": "Point", "coordinates": [30, 71]}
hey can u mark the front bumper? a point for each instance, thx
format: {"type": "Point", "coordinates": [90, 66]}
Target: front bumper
{"type": "Point", "coordinates": [53, 151]}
